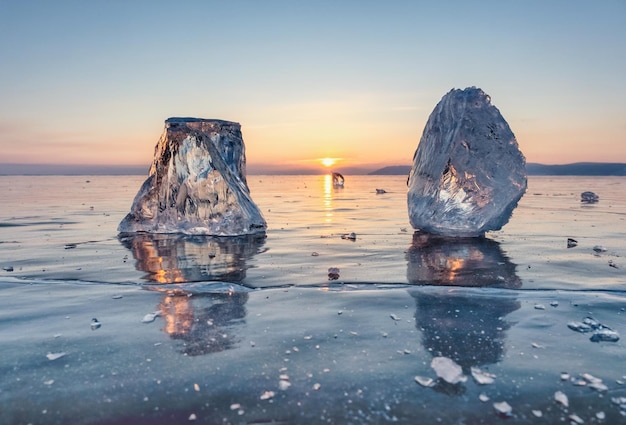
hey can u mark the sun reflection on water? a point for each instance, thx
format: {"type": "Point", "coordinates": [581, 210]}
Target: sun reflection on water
{"type": "Point", "coordinates": [328, 198]}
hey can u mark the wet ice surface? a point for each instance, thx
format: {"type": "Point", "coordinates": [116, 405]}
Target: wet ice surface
{"type": "Point", "coordinates": [253, 331]}
{"type": "Point", "coordinates": [285, 354]}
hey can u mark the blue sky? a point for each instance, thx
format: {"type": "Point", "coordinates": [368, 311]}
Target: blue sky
{"type": "Point", "coordinates": [92, 82]}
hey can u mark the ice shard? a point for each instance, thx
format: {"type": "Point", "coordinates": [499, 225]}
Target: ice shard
{"type": "Point", "coordinates": [468, 173]}
{"type": "Point", "coordinates": [197, 183]}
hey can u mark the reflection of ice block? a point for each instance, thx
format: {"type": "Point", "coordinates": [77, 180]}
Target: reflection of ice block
{"type": "Point", "coordinates": [472, 262]}
{"type": "Point", "coordinates": [468, 173]}
{"type": "Point", "coordinates": [197, 183]}
{"type": "Point", "coordinates": [177, 258]}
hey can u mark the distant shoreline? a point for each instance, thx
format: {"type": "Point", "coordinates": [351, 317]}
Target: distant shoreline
{"type": "Point", "coordinates": [533, 169]}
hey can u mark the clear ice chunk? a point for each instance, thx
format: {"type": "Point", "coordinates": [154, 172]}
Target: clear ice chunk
{"type": "Point", "coordinates": [605, 334]}
{"type": "Point", "coordinates": [197, 183]}
{"type": "Point", "coordinates": [503, 408]}
{"type": "Point", "coordinates": [481, 377]}
{"type": "Point", "coordinates": [468, 173]}
{"type": "Point", "coordinates": [448, 370]}
{"type": "Point", "coordinates": [561, 398]}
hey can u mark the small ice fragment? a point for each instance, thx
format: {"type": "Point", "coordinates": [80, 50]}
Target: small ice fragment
{"type": "Point", "coordinates": [561, 398]}
{"type": "Point", "coordinates": [235, 406]}
{"type": "Point", "coordinates": [601, 415]}
{"type": "Point", "coordinates": [592, 322]}
{"type": "Point", "coordinates": [267, 395]}
{"type": "Point", "coordinates": [149, 318]}
{"type": "Point", "coordinates": [536, 345]}
{"type": "Point", "coordinates": [579, 327]}
{"type": "Point", "coordinates": [193, 417]}
{"type": "Point", "coordinates": [589, 197]}
{"type": "Point", "coordinates": [571, 243]}
{"type": "Point", "coordinates": [590, 378]}
{"type": "Point", "coordinates": [607, 335]}
{"type": "Point", "coordinates": [483, 397]}
{"type": "Point", "coordinates": [349, 236]}
{"type": "Point", "coordinates": [565, 376]}
{"type": "Point", "coordinates": [448, 370]}
{"type": "Point", "coordinates": [503, 408]}
{"type": "Point", "coordinates": [540, 307]}
{"type": "Point", "coordinates": [50, 382]}
{"type": "Point", "coordinates": [333, 273]}
{"type": "Point", "coordinates": [598, 386]}
{"type": "Point", "coordinates": [54, 356]}
{"type": "Point", "coordinates": [95, 324]}
{"type": "Point", "coordinates": [576, 419]}
{"type": "Point", "coordinates": [481, 377]}
{"type": "Point", "coordinates": [196, 387]}
{"type": "Point", "coordinates": [599, 248]}
{"type": "Point", "coordinates": [283, 385]}
{"type": "Point", "coordinates": [425, 381]}
{"type": "Point", "coordinates": [117, 296]}
{"type": "Point", "coordinates": [316, 386]}
{"type": "Point", "coordinates": [554, 303]}
{"type": "Point", "coordinates": [537, 413]}
{"type": "Point", "coordinates": [394, 317]}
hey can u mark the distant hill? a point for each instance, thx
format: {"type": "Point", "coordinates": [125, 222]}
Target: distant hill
{"type": "Point", "coordinates": [534, 169]}
{"type": "Point", "coordinates": [577, 169]}
{"type": "Point", "coordinates": [392, 170]}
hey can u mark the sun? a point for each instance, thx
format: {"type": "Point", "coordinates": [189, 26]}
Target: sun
{"type": "Point", "coordinates": [328, 162]}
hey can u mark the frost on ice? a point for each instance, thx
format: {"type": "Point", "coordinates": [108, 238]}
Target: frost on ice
{"type": "Point", "coordinates": [468, 173]}
{"type": "Point", "coordinates": [197, 183]}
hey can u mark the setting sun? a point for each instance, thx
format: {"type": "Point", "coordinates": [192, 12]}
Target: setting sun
{"type": "Point", "coordinates": [328, 162]}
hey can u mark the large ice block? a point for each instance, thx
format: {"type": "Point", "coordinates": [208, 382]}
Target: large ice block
{"type": "Point", "coordinates": [468, 173]}
{"type": "Point", "coordinates": [197, 183]}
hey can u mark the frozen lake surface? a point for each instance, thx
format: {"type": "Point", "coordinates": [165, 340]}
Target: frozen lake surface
{"type": "Point", "coordinates": [250, 330]}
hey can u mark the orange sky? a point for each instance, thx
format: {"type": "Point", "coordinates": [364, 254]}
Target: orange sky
{"type": "Point", "coordinates": [88, 83]}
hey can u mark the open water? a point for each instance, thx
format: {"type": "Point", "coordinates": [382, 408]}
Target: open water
{"type": "Point", "coordinates": [311, 325]}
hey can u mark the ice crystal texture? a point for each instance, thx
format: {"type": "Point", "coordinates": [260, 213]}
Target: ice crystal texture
{"type": "Point", "coordinates": [197, 183]}
{"type": "Point", "coordinates": [468, 173]}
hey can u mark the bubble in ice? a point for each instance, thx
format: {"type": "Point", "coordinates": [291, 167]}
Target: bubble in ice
{"type": "Point", "coordinates": [448, 370]}
{"type": "Point", "coordinates": [561, 398]}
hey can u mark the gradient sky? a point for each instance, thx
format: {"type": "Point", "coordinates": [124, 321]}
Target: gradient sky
{"type": "Point", "coordinates": [91, 82]}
